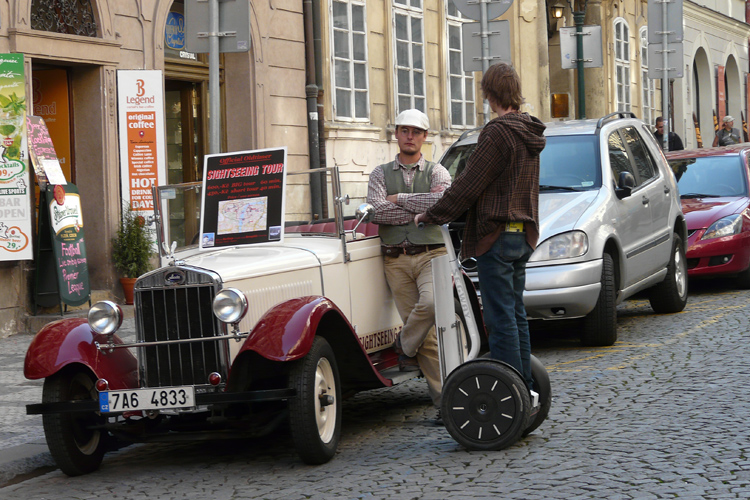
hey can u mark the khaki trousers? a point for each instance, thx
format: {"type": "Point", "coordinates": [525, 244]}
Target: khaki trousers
{"type": "Point", "coordinates": [410, 280]}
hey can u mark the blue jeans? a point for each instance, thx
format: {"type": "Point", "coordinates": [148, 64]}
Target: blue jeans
{"type": "Point", "coordinates": [502, 278]}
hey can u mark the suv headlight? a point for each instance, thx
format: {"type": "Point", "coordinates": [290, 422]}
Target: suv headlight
{"type": "Point", "coordinates": [726, 226]}
{"type": "Point", "coordinates": [230, 305]}
{"type": "Point", "coordinates": [105, 317]}
{"type": "Point", "coordinates": [562, 246]}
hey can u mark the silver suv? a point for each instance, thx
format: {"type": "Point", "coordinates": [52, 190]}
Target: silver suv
{"type": "Point", "coordinates": [611, 224]}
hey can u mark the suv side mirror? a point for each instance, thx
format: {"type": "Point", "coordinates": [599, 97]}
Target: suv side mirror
{"type": "Point", "coordinates": [625, 185]}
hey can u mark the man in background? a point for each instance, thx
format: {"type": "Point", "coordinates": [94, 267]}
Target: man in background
{"type": "Point", "coordinates": [674, 142]}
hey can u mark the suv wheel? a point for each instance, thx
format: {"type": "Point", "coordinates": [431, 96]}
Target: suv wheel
{"type": "Point", "coordinates": [670, 296]}
{"type": "Point", "coordinates": [600, 325]}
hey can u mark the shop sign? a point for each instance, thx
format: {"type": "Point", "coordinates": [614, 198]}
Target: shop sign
{"type": "Point", "coordinates": [174, 31]}
{"type": "Point", "coordinates": [243, 198]}
{"type": "Point", "coordinates": [141, 130]}
{"type": "Point", "coordinates": [15, 203]}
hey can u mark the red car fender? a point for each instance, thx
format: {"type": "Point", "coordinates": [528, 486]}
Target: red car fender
{"type": "Point", "coordinates": [71, 341]}
{"type": "Point", "coordinates": [286, 332]}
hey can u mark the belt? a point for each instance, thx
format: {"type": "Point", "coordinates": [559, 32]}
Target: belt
{"type": "Point", "coordinates": [513, 227]}
{"type": "Point", "coordinates": [410, 250]}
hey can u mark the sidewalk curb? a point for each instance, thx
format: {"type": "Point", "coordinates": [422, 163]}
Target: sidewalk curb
{"type": "Point", "coordinates": [24, 460]}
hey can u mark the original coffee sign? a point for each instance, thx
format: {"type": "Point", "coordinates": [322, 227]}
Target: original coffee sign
{"type": "Point", "coordinates": [66, 223]}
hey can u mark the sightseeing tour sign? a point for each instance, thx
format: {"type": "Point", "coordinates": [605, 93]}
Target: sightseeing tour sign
{"type": "Point", "coordinates": [15, 202]}
{"type": "Point", "coordinates": [141, 133]}
{"type": "Point", "coordinates": [243, 198]}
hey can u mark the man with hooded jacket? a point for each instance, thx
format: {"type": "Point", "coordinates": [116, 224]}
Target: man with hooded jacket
{"type": "Point", "coordinates": [500, 189]}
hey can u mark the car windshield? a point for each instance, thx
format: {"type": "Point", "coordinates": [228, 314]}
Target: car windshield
{"type": "Point", "coordinates": [455, 159]}
{"type": "Point", "coordinates": [710, 176]}
{"type": "Point", "coordinates": [570, 163]}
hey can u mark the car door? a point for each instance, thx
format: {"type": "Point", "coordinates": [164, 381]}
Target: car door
{"type": "Point", "coordinates": [632, 214]}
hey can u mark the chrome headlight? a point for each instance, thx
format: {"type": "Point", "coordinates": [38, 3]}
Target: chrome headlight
{"type": "Point", "coordinates": [562, 246]}
{"type": "Point", "coordinates": [726, 226]}
{"type": "Point", "coordinates": [105, 317]}
{"type": "Point", "coordinates": [230, 305]}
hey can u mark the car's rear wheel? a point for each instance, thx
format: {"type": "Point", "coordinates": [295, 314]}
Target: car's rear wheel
{"type": "Point", "coordinates": [600, 325]}
{"type": "Point", "coordinates": [76, 440]}
{"type": "Point", "coordinates": [315, 412]}
{"type": "Point", "coordinates": [485, 405]}
{"type": "Point", "coordinates": [670, 296]}
{"type": "Point", "coordinates": [544, 388]}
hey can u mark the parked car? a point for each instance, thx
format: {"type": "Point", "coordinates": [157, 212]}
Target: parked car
{"type": "Point", "coordinates": [715, 188]}
{"type": "Point", "coordinates": [610, 224]}
{"type": "Point", "coordinates": [230, 342]}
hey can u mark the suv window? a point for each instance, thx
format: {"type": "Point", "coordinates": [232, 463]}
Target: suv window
{"type": "Point", "coordinates": [570, 161]}
{"type": "Point", "coordinates": [644, 164]}
{"type": "Point", "coordinates": [619, 156]}
{"type": "Point", "coordinates": [455, 160]}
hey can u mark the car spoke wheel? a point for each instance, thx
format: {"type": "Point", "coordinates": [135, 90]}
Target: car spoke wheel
{"type": "Point", "coordinates": [485, 405]}
{"type": "Point", "coordinates": [75, 440]}
{"type": "Point", "coordinates": [544, 388]}
{"type": "Point", "coordinates": [600, 325]}
{"type": "Point", "coordinates": [670, 296]}
{"type": "Point", "coordinates": [315, 412]}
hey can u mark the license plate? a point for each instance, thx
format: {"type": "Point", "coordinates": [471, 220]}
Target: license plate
{"type": "Point", "coordinates": [147, 399]}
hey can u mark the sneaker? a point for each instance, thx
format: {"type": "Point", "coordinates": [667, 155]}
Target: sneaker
{"type": "Point", "coordinates": [407, 364]}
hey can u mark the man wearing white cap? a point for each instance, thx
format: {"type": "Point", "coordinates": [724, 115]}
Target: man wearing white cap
{"type": "Point", "coordinates": [726, 135]}
{"type": "Point", "coordinates": [399, 190]}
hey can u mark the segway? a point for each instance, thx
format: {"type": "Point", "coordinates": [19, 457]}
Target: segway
{"type": "Point", "coordinates": [485, 402]}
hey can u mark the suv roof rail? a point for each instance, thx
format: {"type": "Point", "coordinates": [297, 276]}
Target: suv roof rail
{"type": "Point", "coordinates": [466, 134]}
{"type": "Point", "coordinates": [614, 116]}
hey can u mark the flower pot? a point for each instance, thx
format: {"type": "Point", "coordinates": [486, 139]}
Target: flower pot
{"type": "Point", "coordinates": [127, 288]}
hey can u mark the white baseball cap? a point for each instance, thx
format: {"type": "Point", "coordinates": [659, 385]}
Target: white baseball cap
{"type": "Point", "coordinates": [413, 118]}
{"type": "Point", "coordinates": [727, 119]}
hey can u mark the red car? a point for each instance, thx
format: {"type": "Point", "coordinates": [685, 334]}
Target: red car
{"type": "Point", "coordinates": [714, 190]}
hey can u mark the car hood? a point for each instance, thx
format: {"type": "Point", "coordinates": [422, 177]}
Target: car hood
{"type": "Point", "coordinates": [559, 212]}
{"type": "Point", "coordinates": [250, 261]}
{"type": "Point", "coordinates": [702, 212]}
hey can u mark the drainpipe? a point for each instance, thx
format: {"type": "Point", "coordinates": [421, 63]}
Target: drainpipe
{"type": "Point", "coordinates": [318, 44]}
{"type": "Point", "coordinates": [311, 92]}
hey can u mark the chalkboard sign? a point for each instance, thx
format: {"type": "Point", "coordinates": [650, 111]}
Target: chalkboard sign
{"type": "Point", "coordinates": [42, 152]}
{"type": "Point", "coordinates": [243, 198]}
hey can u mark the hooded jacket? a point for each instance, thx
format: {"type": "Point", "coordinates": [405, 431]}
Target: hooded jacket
{"type": "Point", "coordinates": [499, 184]}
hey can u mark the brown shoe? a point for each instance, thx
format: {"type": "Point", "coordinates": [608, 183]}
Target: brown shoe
{"type": "Point", "coordinates": [397, 346]}
{"type": "Point", "coordinates": [407, 364]}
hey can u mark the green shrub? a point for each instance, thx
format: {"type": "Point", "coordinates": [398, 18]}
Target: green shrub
{"type": "Point", "coordinates": [132, 248]}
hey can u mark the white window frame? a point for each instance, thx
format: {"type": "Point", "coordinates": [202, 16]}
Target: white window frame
{"type": "Point", "coordinates": [648, 84]}
{"type": "Point", "coordinates": [622, 65]}
{"type": "Point", "coordinates": [411, 13]}
{"type": "Point", "coordinates": [467, 78]}
{"type": "Point", "coordinates": [351, 62]}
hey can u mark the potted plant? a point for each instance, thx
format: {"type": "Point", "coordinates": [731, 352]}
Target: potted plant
{"type": "Point", "coordinates": [132, 249]}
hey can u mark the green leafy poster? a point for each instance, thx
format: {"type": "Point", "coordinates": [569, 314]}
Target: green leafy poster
{"type": "Point", "coordinates": [15, 205]}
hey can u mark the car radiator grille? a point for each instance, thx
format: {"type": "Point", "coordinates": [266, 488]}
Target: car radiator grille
{"type": "Point", "coordinates": [178, 312]}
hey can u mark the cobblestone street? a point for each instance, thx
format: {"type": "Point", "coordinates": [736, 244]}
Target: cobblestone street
{"type": "Point", "coordinates": [659, 415]}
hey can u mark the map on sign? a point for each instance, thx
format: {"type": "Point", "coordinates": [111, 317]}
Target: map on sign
{"type": "Point", "coordinates": [243, 216]}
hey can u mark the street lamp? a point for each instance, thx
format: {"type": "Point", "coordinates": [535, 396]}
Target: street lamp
{"type": "Point", "coordinates": [557, 10]}
{"type": "Point", "coordinates": [578, 17]}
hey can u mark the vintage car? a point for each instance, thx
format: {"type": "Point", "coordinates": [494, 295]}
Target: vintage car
{"type": "Point", "coordinates": [230, 342]}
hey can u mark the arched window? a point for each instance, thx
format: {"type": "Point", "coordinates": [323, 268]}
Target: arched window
{"type": "Point", "coordinates": [72, 17]}
{"type": "Point", "coordinates": [648, 84]}
{"type": "Point", "coordinates": [622, 65]}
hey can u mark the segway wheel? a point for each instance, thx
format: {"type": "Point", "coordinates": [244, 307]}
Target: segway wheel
{"type": "Point", "coordinates": [485, 405]}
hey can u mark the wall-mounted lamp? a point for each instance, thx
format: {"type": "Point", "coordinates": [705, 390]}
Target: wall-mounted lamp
{"type": "Point", "coordinates": [557, 10]}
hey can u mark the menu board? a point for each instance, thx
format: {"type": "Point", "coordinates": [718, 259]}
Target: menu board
{"type": "Point", "coordinates": [66, 223]}
{"type": "Point", "coordinates": [243, 198]}
{"type": "Point", "coordinates": [42, 153]}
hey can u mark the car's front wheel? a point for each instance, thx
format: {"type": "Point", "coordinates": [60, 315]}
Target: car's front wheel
{"type": "Point", "coordinates": [76, 440]}
{"type": "Point", "coordinates": [600, 325]}
{"type": "Point", "coordinates": [670, 296]}
{"type": "Point", "coordinates": [315, 412]}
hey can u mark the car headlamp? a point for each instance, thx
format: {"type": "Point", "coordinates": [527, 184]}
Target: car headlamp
{"type": "Point", "coordinates": [726, 226]}
{"type": "Point", "coordinates": [562, 246]}
{"type": "Point", "coordinates": [105, 317]}
{"type": "Point", "coordinates": [230, 305]}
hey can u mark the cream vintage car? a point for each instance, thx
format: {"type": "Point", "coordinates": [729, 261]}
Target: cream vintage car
{"type": "Point", "coordinates": [230, 342]}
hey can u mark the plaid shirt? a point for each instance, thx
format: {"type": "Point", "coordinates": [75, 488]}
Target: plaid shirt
{"type": "Point", "coordinates": [408, 204]}
{"type": "Point", "coordinates": [500, 182]}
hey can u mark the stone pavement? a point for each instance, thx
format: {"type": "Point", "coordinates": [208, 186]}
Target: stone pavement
{"type": "Point", "coordinates": [23, 449]}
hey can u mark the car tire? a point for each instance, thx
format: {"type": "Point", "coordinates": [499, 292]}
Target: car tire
{"type": "Point", "coordinates": [315, 412]}
{"type": "Point", "coordinates": [670, 296]}
{"type": "Point", "coordinates": [75, 440]}
{"type": "Point", "coordinates": [485, 405]}
{"type": "Point", "coordinates": [544, 388]}
{"type": "Point", "coordinates": [600, 325]}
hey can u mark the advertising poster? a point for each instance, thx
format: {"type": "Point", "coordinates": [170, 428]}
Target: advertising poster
{"type": "Point", "coordinates": [15, 205]}
{"type": "Point", "coordinates": [140, 96]}
{"type": "Point", "coordinates": [66, 222]}
{"type": "Point", "coordinates": [42, 152]}
{"type": "Point", "coordinates": [243, 198]}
